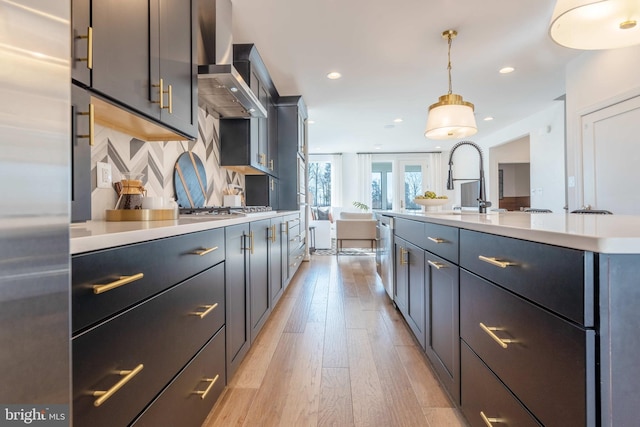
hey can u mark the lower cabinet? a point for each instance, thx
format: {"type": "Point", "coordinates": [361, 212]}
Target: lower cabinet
{"type": "Point", "coordinates": [258, 279]}
{"type": "Point", "coordinates": [189, 398]}
{"type": "Point", "coordinates": [412, 281]}
{"type": "Point", "coordinates": [120, 365]}
{"type": "Point", "coordinates": [442, 318]}
{"type": "Point", "coordinates": [276, 282]}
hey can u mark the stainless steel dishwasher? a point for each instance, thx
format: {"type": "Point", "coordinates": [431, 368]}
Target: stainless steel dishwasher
{"type": "Point", "coordinates": [385, 252]}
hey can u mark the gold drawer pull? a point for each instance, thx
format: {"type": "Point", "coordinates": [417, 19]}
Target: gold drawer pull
{"type": "Point", "coordinates": [436, 239]}
{"type": "Point", "coordinates": [103, 396]}
{"type": "Point", "coordinates": [211, 381]}
{"type": "Point", "coordinates": [494, 261]}
{"type": "Point", "coordinates": [123, 280]}
{"type": "Point", "coordinates": [205, 251]}
{"type": "Point", "coordinates": [436, 265]}
{"type": "Point", "coordinates": [209, 309]}
{"type": "Point", "coordinates": [489, 421]}
{"type": "Point", "coordinates": [501, 341]}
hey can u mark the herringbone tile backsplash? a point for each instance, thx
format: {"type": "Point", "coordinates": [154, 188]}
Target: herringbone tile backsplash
{"type": "Point", "coordinates": [156, 160]}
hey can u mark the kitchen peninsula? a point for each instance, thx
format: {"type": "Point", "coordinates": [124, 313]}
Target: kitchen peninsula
{"type": "Point", "coordinates": [527, 318]}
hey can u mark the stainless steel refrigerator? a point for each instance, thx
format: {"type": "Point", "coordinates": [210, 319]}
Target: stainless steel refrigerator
{"type": "Point", "coordinates": [34, 208]}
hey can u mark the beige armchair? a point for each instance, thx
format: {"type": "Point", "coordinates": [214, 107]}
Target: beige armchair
{"type": "Point", "coordinates": [355, 230]}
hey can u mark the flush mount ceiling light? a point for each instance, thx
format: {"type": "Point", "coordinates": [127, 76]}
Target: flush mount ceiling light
{"type": "Point", "coordinates": [506, 70]}
{"type": "Point", "coordinates": [334, 75]}
{"type": "Point", "coordinates": [596, 24]}
{"type": "Point", "coordinates": [451, 117]}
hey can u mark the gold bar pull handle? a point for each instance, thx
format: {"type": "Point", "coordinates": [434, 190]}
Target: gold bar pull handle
{"type": "Point", "coordinates": [208, 309]}
{"type": "Point", "coordinates": [205, 251]}
{"type": "Point", "coordinates": [161, 93]}
{"type": "Point", "coordinates": [489, 421]}
{"type": "Point", "coordinates": [92, 119]}
{"type": "Point", "coordinates": [203, 393]}
{"type": "Point", "coordinates": [89, 57]}
{"type": "Point", "coordinates": [123, 280]}
{"type": "Point", "coordinates": [103, 396]}
{"type": "Point", "coordinates": [436, 239]}
{"type": "Point", "coordinates": [169, 93]}
{"type": "Point", "coordinates": [273, 233]}
{"type": "Point", "coordinates": [403, 252]}
{"type": "Point", "coordinates": [494, 261]}
{"type": "Point", "coordinates": [435, 264]}
{"type": "Point", "coordinates": [271, 166]}
{"type": "Point", "coordinates": [272, 182]}
{"type": "Point", "coordinates": [251, 241]}
{"type": "Point", "coordinates": [502, 342]}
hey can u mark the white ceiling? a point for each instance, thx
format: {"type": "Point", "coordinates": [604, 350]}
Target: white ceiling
{"type": "Point", "coordinates": [393, 61]}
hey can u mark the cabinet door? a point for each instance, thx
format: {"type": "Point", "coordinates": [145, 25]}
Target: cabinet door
{"type": "Point", "coordinates": [416, 306]}
{"type": "Point", "coordinates": [176, 65]}
{"type": "Point", "coordinates": [401, 291]}
{"type": "Point", "coordinates": [272, 126]}
{"type": "Point", "coordinates": [259, 275]}
{"type": "Point", "coordinates": [237, 296]}
{"type": "Point", "coordinates": [276, 283]}
{"type": "Point", "coordinates": [80, 46]}
{"type": "Point", "coordinates": [263, 130]}
{"type": "Point", "coordinates": [81, 136]}
{"type": "Point", "coordinates": [442, 321]}
{"type": "Point", "coordinates": [121, 59]}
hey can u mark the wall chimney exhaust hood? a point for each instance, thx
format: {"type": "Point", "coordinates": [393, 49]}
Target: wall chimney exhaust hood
{"type": "Point", "coordinates": [222, 92]}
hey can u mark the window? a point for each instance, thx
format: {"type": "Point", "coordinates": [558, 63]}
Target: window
{"type": "Point", "coordinates": [382, 185]}
{"type": "Point", "coordinates": [320, 183]}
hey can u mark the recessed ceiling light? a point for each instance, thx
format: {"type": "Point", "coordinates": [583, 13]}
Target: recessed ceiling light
{"type": "Point", "coordinates": [233, 89]}
{"type": "Point", "coordinates": [378, 147]}
{"type": "Point", "coordinates": [438, 147]}
{"type": "Point", "coordinates": [334, 75]}
{"type": "Point", "coordinates": [507, 70]}
{"type": "Point", "coordinates": [310, 122]}
{"type": "Point", "coordinates": [398, 120]}
{"type": "Point", "coordinates": [488, 119]}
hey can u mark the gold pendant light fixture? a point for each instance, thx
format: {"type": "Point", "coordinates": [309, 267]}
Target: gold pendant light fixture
{"type": "Point", "coordinates": [596, 24]}
{"type": "Point", "coordinates": [451, 117]}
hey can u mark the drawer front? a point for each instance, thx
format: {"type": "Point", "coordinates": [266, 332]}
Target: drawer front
{"type": "Point", "coordinates": [442, 241]}
{"type": "Point", "coordinates": [162, 263]}
{"type": "Point", "coordinates": [295, 258]}
{"type": "Point", "coordinates": [551, 276]}
{"type": "Point", "coordinates": [161, 334]}
{"type": "Point", "coordinates": [187, 401]}
{"type": "Point", "coordinates": [411, 231]}
{"type": "Point", "coordinates": [484, 395]}
{"type": "Point", "coordinates": [549, 366]}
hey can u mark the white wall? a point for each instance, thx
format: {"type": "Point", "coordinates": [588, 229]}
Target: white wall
{"type": "Point", "coordinates": [595, 80]}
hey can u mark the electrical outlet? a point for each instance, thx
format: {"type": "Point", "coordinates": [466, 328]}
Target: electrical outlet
{"type": "Point", "coordinates": [103, 175]}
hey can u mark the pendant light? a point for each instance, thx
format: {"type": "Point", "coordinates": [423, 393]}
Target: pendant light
{"type": "Point", "coordinates": [451, 117]}
{"type": "Point", "coordinates": [596, 24]}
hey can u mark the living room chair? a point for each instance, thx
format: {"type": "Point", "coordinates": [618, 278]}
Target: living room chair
{"type": "Point", "coordinates": [357, 230]}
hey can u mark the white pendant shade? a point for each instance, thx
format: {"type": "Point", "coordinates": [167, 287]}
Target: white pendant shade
{"type": "Point", "coordinates": [450, 121]}
{"type": "Point", "coordinates": [596, 24]}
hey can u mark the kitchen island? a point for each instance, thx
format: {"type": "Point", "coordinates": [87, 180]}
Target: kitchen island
{"type": "Point", "coordinates": [528, 319]}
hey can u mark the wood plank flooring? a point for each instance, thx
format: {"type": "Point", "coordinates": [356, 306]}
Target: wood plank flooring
{"type": "Point", "coordinates": [335, 352]}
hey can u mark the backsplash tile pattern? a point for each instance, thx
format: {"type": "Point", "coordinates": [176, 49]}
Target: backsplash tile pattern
{"type": "Point", "coordinates": [156, 161]}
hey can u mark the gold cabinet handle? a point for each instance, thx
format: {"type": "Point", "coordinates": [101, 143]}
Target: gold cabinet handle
{"type": "Point", "coordinates": [273, 233]}
{"type": "Point", "coordinates": [123, 280]}
{"type": "Point", "coordinates": [170, 95]}
{"type": "Point", "coordinates": [203, 393]}
{"type": "Point", "coordinates": [208, 309]}
{"type": "Point", "coordinates": [89, 57]}
{"type": "Point", "coordinates": [403, 252]}
{"type": "Point", "coordinates": [502, 342]}
{"type": "Point", "coordinates": [496, 262]}
{"type": "Point", "coordinates": [202, 252]}
{"type": "Point", "coordinates": [251, 241]}
{"type": "Point", "coordinates": [103, 396]}
{"type": "Point", "coordinates": [436, 239]}
{"type": "Point", "coordinates": [272, 182]}
{"type": "Point", "coordinates": [436, 265]}
{"type": "Point", "coordinates": [161, 93]}
{"type": "Point", "coordinates": [271, 166]}
{"type": "Point", "coordinates": [92, 119]}
{"type": "Point", "coordinates": [489, 421]}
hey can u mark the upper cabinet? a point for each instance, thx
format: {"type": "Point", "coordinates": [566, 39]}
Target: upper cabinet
{"type": "Point", "coordinates": [250, 145]}
{"type": "Point", "coordinates": [292, 139]}
{"type": "Point", "coordinates": [140, 56]}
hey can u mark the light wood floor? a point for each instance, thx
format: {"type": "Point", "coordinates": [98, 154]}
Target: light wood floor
{"type": "Point", "coordinates": [335, 352]}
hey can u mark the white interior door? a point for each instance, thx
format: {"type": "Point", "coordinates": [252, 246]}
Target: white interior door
{"type": "Point", "coordinates": [611, 157]}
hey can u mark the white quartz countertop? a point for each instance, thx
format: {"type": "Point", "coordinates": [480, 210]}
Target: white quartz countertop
{"type": "Point", "coordinates": [95, 235]}
{"type": "Point", "coordinates": [612, 234]}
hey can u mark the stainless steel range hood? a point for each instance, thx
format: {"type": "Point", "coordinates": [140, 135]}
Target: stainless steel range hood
{"type": "Point", "coordinates": [222, 91]}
